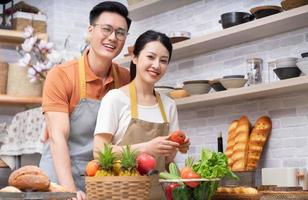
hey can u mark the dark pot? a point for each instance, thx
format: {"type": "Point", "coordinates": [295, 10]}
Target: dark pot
{"type": "Point", "coordinates": [287, 72]}
{"type": "Point", "coordinates": [235, 18]}
{"type": "Point", "coordinates": [304, 55]}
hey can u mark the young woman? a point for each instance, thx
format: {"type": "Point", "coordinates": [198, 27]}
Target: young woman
{"type": "Point", "coordinates": [137, 115]}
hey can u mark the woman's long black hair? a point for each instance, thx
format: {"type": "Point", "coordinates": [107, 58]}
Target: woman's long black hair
{"type": "Point", "coordinates": [143, 39]}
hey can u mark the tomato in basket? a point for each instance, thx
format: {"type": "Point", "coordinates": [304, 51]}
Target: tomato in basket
{"type": "Point", "coordinates": [169, 190]}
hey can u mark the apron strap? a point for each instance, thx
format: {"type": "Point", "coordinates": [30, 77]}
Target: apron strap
{"type": "Point", "coordinates": [82, 77]}
{"type": "Point", "coordinates": [115, 77]}
{"type": "Point", "coordinates": [161, 107]}
{"type": "Point", "coordinates": [133, 99]}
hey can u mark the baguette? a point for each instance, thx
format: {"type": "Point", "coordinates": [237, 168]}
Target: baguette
{"type": "Point", "coordinates": [258, 138]}
{"type": "Point", "coordinates": [231, 142]}
{"type": "Point", "coordinates": [240, 149]}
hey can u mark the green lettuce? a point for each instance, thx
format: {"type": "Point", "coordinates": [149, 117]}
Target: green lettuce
{"type": "Point", "coordinates": [213, 165]}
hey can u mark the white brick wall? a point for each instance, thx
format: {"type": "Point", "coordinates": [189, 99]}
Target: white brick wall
{"type": "Point", "coordinates": [287, 146]}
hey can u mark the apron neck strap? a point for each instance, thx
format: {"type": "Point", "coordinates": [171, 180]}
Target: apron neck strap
{"type": "Point", "coordinates": [82, 77]}
{"type": "Point", "coordinates": [115, 76]}
{"type": "Point", "coordinates": [133, 99]}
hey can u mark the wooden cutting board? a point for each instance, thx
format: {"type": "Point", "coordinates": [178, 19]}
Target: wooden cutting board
{"type": "Point", "coordinates": [36, 195]}
{"type": "Point", "coordinates": [226, 196]}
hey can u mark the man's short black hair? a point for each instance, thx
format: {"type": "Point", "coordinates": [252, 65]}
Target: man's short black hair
{"type": "Point", "coordinates": [109, 6]}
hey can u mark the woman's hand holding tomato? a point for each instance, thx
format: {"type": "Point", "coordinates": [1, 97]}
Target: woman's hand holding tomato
{"type": "Point", "coordinates": [161, 146]}
{"type": "Point", "coordinates": [179, 137]}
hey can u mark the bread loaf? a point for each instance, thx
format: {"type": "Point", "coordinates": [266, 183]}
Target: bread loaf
{"type": "Point", "coordinates": [258, 138]}
{"type": "Point", "coordinates": [10, 189]}
{"type": "Point", "coordinates": [237, 190]}
{"type": "Point", "coordinates": [240, 149]}
{"type": "Point", "coordinates": [231, 142]}
{"type": "Point", "coordinates": [54, 187]}
{"type": "Point", "coordinates": [29, 178]}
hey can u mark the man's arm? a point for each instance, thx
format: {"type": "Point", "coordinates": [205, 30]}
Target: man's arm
{"type": "Point", "coordinates": [58, 129]}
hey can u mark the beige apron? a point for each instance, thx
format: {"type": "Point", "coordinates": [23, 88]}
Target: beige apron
{"type": "Point", "coordinates": [139, 131]}
{"type": "Point", "coordinates": [80, 141]}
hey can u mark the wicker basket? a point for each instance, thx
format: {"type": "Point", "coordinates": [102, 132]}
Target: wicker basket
{"type": "Point", "coordinates": [18, 83]}
{"type": "Point", "coordinates": [21, 20]}
{"type": "Point", "coordinates": [118, 187]}
{"type": "Point", "coordinates": [3, 76]}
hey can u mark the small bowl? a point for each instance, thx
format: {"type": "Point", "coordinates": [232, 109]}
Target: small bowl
{"type": "Point", "coordinates": [264, 11]}
{"type": "Point", "coordinates": [178, 36]}
{"type": "Point", "coordinates": [234, 76]}
{"type": "Point", "coordinates": [303, 66]}
{"type": "Point", "coordinates": [304, 55]}
{"type": "Point", "coordinates": [178, 93]}
{"type": "Point", "coordinates": [197, 87]}
{"type": "Point", "coordinates": [290, 4]}
{"type": "Point", "coordinates": [233, 82]}
{"type": "Point", "coordinates": [164, 89]}
{"type": "Point", "coordinates": [216, 85]}
{"type": "Point", "coordinates": [286, 62]}
{"type": "Point", "coordinates": [287, 72]}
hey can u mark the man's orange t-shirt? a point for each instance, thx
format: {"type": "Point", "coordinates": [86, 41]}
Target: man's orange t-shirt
{"type": "Point", "coordinates": [62, 91]}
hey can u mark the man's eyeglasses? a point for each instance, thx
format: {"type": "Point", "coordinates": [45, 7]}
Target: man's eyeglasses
{"type": "Point", "coordinates": [107, 30]}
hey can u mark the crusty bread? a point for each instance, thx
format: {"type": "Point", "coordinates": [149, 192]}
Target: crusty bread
{"type": "Point", "coordinates": [258, 138]}
{"type": "Point", "coordinates": [30, 178]}
{"type": "Point", "coordinates": [10, 189]}
{"type": "Point", "coordinates": [237, 190]}
{"type": "Point", "coordinates": [231, 142]}
{"type": "Point", "coordinates": [240, 149]}
{"type": "Point", "coordinates": [54, 187]}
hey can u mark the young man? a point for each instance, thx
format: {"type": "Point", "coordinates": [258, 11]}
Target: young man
{"type": "Point", "coordinates": [71, 97]}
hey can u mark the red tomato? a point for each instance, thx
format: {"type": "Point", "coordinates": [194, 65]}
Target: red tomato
{"type": "Point", "coordinates": [178, 136]}
{"type": "Point", "coordinates": [184, 171]}
{"type": "Point", "coordinates": [169, 188]}
{"type": "Point", "coordinates": [191, 175]}
{"type": "Point", "coordinates": [145, 163]}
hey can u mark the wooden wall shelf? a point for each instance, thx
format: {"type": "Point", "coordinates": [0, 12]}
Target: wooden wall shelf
{"type": "Point", "coordinates": [13, 100]}
{"type": "Point", "coordinates": [245, 93]}
{"type": "Point", "coordinates": [254, 30]}
{"type": "Point", "coordinates": [16, 37]}
{"type": "Point", "coordinates": [147, 8]}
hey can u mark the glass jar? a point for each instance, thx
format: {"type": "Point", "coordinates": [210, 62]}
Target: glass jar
{"type": "Point", "coordinates": [254, 71]}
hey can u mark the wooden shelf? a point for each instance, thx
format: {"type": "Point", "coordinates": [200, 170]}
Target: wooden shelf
{"type": "Point", "coordinates": [245, 93]}
{"type": "Point", "coordinates": [13, 100]}
{"type": "Point", "coordinates": [257, 29]}
{"type": "Point", "coordinates": [16, 37]}
{"type": "Point", "coordinates": [147, 8]}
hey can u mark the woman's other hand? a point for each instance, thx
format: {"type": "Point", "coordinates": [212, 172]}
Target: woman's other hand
{"type": "Point", "coordinates": [183, 148]}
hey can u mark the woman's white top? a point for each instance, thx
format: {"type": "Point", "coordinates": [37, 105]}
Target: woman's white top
{"type": "Point", "coordinates": [114, 114]}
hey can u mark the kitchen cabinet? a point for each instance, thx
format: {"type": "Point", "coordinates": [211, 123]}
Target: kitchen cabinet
{"type": "Point", "coordinates": [244, 93]}
{"type": "Point", "coordinates": [147, 8]}
{"type": "Point", "coordinates": [250, 31]}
